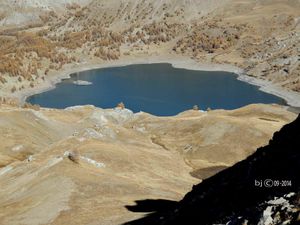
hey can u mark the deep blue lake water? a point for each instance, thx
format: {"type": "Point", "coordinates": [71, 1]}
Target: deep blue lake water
{"type": "Point", "coordinates": [158, 89]}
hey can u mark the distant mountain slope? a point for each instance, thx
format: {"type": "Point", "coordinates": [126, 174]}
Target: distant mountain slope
{"type": "Point", "coordinates": [38, 39]}
{"type": "Point", "coordinates": [28, 11]}
{"type": "Point", "coordinates": [141, 11]}
{"type": "Point", "coordinates": [150, 10]}
{"type": "Point", "coordinates": [235, 196]}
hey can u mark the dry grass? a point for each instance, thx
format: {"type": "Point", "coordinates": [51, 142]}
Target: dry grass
{"type": "Point", "coordinates": [35, 107]}
{"type": "Point", "coordinates": [121, 105]}
{"type": "Point", "coordinates": [30, 52]}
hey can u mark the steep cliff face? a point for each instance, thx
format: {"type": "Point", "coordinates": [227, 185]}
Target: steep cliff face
{"type": "Point", "coordinates": [262, 189]}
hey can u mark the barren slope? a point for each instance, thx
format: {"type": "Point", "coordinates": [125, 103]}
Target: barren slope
{"type": "Point", "coordinates": [122, 157]}
{"type": "Point", "coordinates": [24, 12]}
{"type": "Point", "coordinates": [84, 164]}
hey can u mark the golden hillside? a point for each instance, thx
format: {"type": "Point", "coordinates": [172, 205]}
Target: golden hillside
{"type": "Point", "coordinates": [84, 164]}
{"type": "Point", "coordinates": [260, 37]}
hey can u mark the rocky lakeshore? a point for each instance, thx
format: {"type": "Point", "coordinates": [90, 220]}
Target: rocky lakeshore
{"type": "Point", "coordinates": [218, 35]}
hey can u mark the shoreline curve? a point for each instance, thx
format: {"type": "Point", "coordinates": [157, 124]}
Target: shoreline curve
{"type": "Point", "coordinates": [292, 98]}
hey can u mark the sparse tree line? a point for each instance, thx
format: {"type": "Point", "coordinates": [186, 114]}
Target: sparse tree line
{"type": "Point", "coordinates": [15, 102]}
{"type": "Point", "coordinates": [208, 38]}
{"type": "Point", "coordinates": [26, 55]}
{"type": "Point", "coordinates": [29, 56]}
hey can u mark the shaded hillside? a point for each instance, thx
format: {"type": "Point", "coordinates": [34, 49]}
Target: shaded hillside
{"type": "Point", "coordinates": [235, 195]}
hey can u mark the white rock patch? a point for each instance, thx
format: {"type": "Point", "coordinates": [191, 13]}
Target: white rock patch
{"type": "Point", "coordinates": [116, 115]}
{"type": "Point", "coordinates": [88, 160]}
{"type": "Point", "coordinates": [278, 201]}
{"type": "Point", "coordinates": [17, 148]}
{"type": "Point", "coordinates": [30, 158]}
{"type": "Point", "coordinates": [93, 162]}
{"type": "Point", "coordinates": [5, 170]}
{"type": "Point", "coordinates": [40, 115]}
{"type": "Point", "coordinates": [99, 117]}
{"type": "Point", "coordinates": [140, 129]}
{"type": "Point", "coordinates": [91, 133]}
{"type": "Point", "coordinates": [281, 202]}
{"type": "Point", "coordinates": [290, 195]}
{"type": "Point", "coordinates": [267, 216]}
{"type": "Point", "coordinates": [81, 139]}
{"type": "Point", "coordinates": [54, 161]}
{"type": "Point", "coordinates": [66, 153]}
{"type": "Point", "coordinates": [72, 108]}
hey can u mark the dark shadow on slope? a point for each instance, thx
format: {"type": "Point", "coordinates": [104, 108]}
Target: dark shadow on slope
{"type": "Point", "coordinates": [205, 173]}
{"type": "Point", "coordinates": [239, 191]}
{"type": "Point", "coordinates": [151, 205]}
